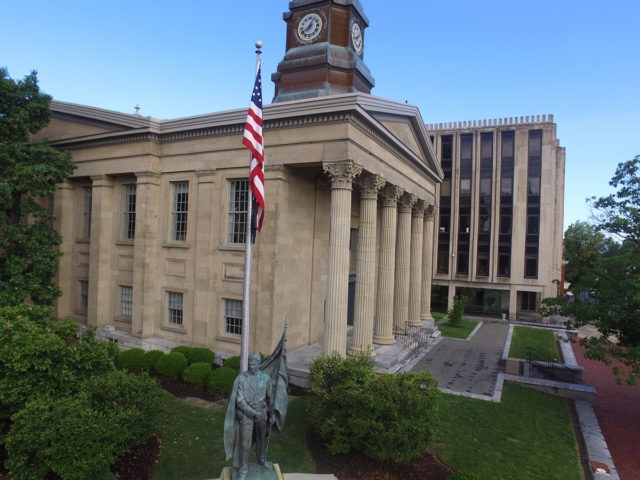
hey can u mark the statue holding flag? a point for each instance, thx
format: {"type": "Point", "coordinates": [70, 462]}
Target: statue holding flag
{"type": "Point", "coordinates": [257, 407]}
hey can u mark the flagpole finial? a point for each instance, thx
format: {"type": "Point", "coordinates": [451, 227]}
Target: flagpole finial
{"type": "Point", "coordinates": [259, 44]}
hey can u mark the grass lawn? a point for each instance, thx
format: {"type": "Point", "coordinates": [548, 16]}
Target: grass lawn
{"type": "Point", "coordinates": [542, 342]}
{"type": "Point", "coordinates": [463, 331]}
{"type": "Point", "coordinates": [193, 446]}
{"type": "Point", "coordinates": [529, 435]}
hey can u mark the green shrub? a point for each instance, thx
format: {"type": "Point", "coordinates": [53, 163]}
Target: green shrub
{"type": "Point", "coordinates": [232, 362]}
{"type": "Point", "coordinates": [183, 349]}
{"type": "Point", "coordinates": [195, 354]}
{"type": "Point", "coordinates": [81, 436]}
{"type": "Point", "coordinates": [221, 381]}
{"type": "Point", "coordinates": [131, 360]}
{"type": "Point", "coordinates": [386, 417]}
{"type": "Point", "coordinates": [456, 313]}
{"type": "Point", "coordinates": [200, 355]}
{"type": "Point", "coordinates": [150, 359]}
{"type": "Point", "coordinates": [197, 373]}
{"type": "Point", "coordinates": [171, 364]}
{"type": "Point", "coordinates": [38, 355]}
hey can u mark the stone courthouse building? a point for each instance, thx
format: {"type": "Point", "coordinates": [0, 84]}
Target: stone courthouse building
{"type": "Point", "coordinates": [153, 218]}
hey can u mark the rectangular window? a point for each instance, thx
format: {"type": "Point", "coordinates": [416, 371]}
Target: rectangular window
{"type": "Point", "coordinates": [128, 212]}
{"type": "Point", "coordinates": [126, 301]}
{"type": "Point", "coordinates": [179, 210]}
{"type": "Point", "coordinates": [531, 266]}
{"type": "Point", "coordinates": [175, 309]}
{"type": "Point", "coordinates": [86, 212]}
{"type": "Point", "coordinates": [463, 263]}
{"type": "Point", "coordinates": [483, 265]}
{"type": "Point", "coordinates": [84, 296]}
{"type": "Point", "coordinates": [528, 301]}
{"type": "Point", "coordinates": [233, 316]}
{"type": "Point", "coordinates": [237, 224]}
{"type": "Point", "coordinates": [504, 264]}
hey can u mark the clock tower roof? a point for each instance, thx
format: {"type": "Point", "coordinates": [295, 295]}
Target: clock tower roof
{"type": "Point", "coordinates": [324, 50]}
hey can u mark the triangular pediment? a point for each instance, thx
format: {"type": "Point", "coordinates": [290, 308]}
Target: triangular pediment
{"type": "Point", "coordinates": [403, 131]}
{"type": "Point", "coordinates": [70, 120]}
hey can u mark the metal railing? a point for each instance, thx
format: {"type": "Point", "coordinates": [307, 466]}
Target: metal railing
{"type": "Point", "coordinates": [413, 338]}
{"type": "Point", "coordinates": [550, 370]}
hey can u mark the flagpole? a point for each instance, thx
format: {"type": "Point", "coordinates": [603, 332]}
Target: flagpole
{"type": "Point", "coordinates": [246, 310]}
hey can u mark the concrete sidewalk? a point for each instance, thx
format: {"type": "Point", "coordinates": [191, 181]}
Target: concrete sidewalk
{"type": "Point", "coordinates": [469, 367]}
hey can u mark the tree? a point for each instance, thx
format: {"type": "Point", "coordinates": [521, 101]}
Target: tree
{"type": "Point", "coordinates": [613, 302]}
{"type": "Point", "coordinates": [29, 174]}
{"type": "Point", "coordinates": [584, 250]}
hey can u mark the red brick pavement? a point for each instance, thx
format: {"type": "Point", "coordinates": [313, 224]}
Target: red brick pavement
{"type": "Point", "coordinates": [618, 410]}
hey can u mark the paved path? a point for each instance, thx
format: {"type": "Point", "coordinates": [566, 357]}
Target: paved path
{"type": "Point", "coordinates": [469, 367]}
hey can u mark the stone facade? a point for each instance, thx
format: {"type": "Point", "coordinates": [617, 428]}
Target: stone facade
{"type": "Point", "coordinates": [148, 223]}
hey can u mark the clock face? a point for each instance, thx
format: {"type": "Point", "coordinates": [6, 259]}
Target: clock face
{"type": "Point", "coordinates": [309, 27]}
{"type": "Point", "coordinates": [356, 37]}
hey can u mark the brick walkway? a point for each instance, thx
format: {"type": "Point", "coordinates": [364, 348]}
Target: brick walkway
{"type": "Point", "coordinates": [618, 410]}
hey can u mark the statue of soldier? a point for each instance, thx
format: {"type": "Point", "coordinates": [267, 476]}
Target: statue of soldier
{"type": "Point", "coordinates": [257, 407]}
{"type": "Point", "coordinates": [252, 400]}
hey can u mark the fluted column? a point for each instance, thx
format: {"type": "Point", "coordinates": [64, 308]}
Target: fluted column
{"type": "Point", "coordinates": [427, 265]}
{"type": "Point", "coordinates": [369, 185]}
{"type": "Point", "coordinates": [342, 175]}
{"type": "Point", "coordinates": [383, 329]}
{"type": "Point", "coordinates": [415, 269]}
{"type": "Point", "coordinates": [403, 250]}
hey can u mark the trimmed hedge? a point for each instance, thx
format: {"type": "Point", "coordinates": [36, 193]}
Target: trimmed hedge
{"type": "Point", "coordinates": [221, 381]}
{"type": "Point", "coordinates": [171, 364]}
{"type": "Point", "coordinates": [131, 360]}
{"type": "Point", "coordinates": [197, 373]}
{"type": "Point", "coordinates": [150, 359]}
{"type": "Point", "coordinates": [195, 354]}
{"type": "Point", "coordinates": [200, 355]}
{"type": "Point", "coordinates": [232, 362]}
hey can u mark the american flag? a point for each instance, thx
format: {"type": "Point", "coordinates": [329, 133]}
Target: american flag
{"type": "Point", "coordinates": [253, 141]}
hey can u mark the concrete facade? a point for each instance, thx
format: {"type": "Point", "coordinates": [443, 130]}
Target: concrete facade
{"type": "Point", "coordinates": [164, 263]}
{"type": "Point", "coordinates": [522, 231]}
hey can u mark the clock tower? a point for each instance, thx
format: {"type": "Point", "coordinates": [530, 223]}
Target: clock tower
{"type": "Point", "coordinates": [324, 50]}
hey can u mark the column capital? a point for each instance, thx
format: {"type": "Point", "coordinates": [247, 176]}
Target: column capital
{"type": "Point", "coordinates": [430, 212]}
{"type": "Point", "coordinates": [406, 202]}
{"type": "Point", "coordinates": [390, 195]}
{"type": "Point", "coordinates": [420, 208]}
{"type": "Point", "coordinates": [370, 185]}
{"type": "Point", "coordinates": [342, 174]}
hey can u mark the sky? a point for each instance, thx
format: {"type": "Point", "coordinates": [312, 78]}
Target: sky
{"type": "Point", "coordinates": [455, 59]}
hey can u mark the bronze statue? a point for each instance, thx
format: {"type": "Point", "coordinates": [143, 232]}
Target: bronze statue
{"type": "Point", "coordinates": [257, 406]}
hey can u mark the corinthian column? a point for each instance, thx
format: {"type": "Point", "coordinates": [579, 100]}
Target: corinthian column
{"type": "Point", "coordinates": [369, 185]}
{"type": "Point", "coordinates": [383, 333]}
{"type": "Point", "coordinates": [335, 325]}
{"type": "Point", "coordinates": [403, 247]}
{"type": "Point", "coordinates": [415, 278]}
{"type": "Point", "coordinates": [427, 265]}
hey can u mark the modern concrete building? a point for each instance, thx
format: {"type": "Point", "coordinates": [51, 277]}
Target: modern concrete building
{"type": "Point", "coordinates": [153, 219]}
{"type": "Point", "coordinates": [500, 222]}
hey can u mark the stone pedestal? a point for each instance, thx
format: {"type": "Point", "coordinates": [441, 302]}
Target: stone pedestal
{"type": "Point", "coordinates": [256, 472]}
